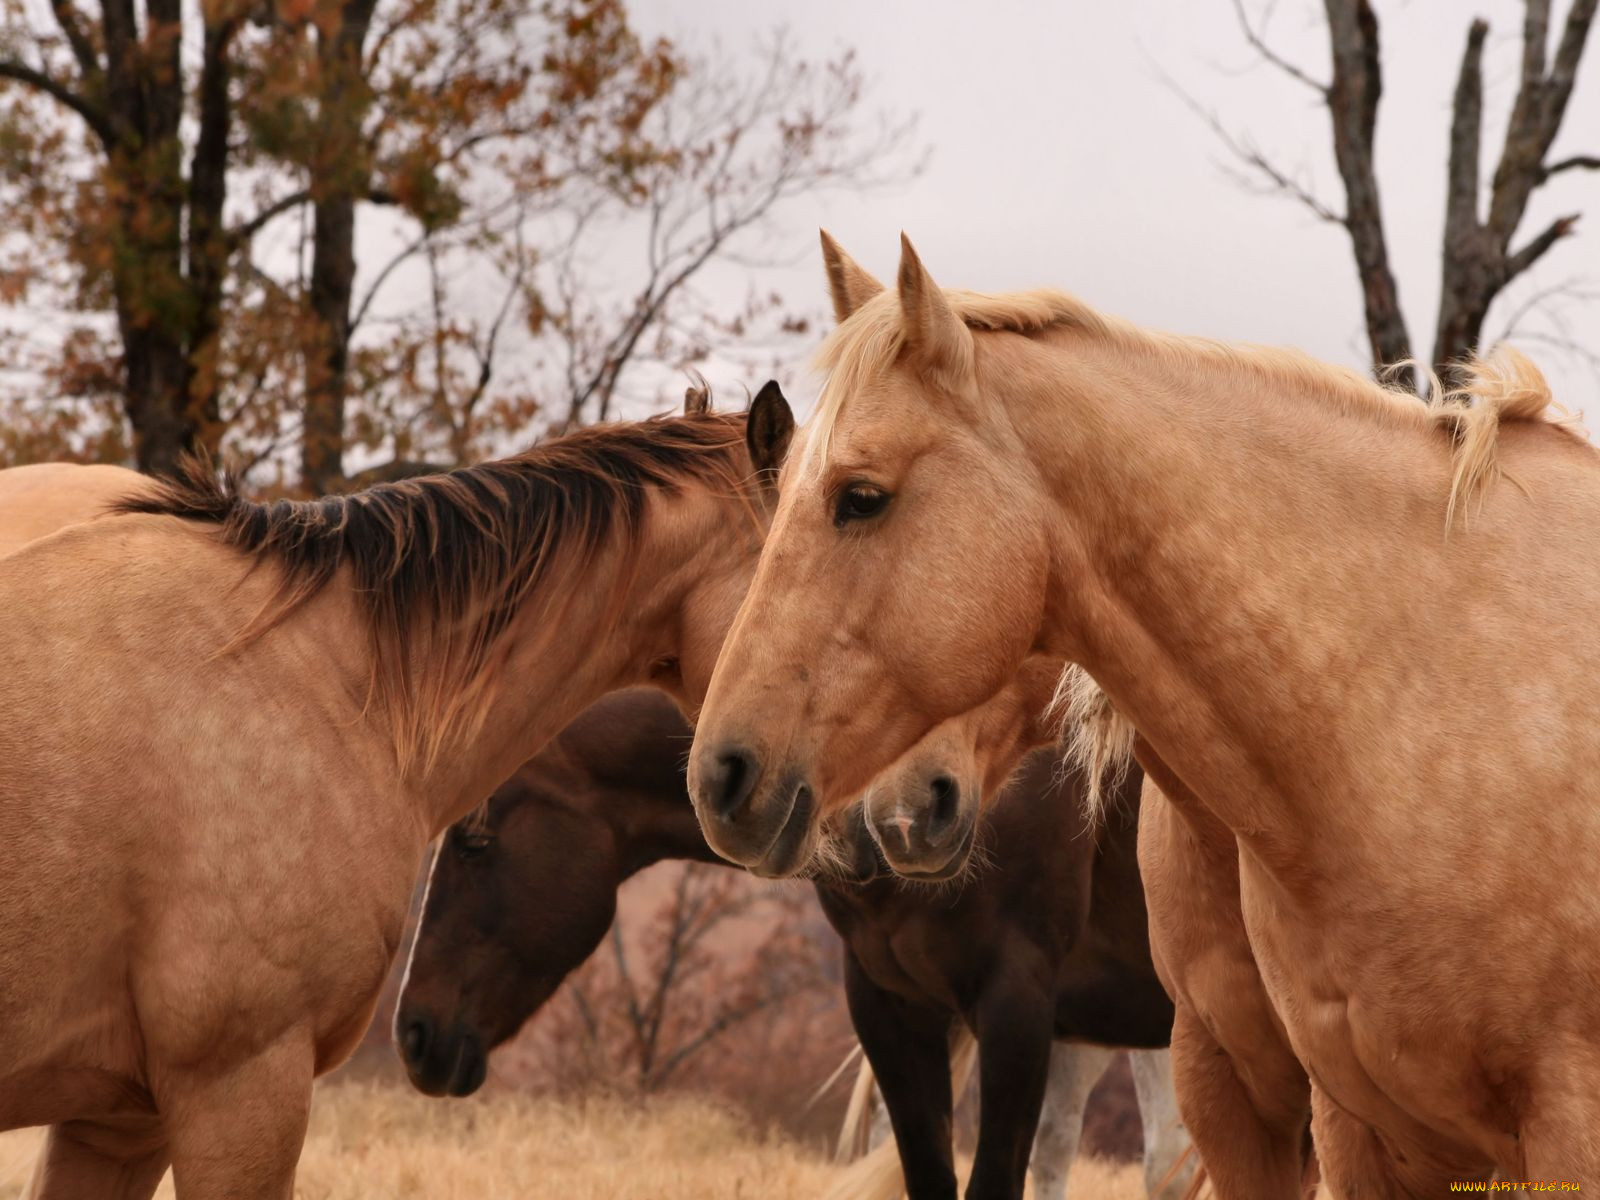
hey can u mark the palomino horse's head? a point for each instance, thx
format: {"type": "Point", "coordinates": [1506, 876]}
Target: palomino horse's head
{"type": "Point", "coordinates": [902, 583]}
{"type": "Point", "coordinates": [923, 811]}
{"type": "Point", "coordinates": [521, 894]}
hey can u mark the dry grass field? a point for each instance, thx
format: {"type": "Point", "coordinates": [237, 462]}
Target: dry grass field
{"type": "Point", "coordinates": [380, 1142]}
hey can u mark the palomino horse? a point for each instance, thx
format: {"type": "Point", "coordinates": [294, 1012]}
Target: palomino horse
{"type": "Point", "coordinates": [1244, 1096]}
{"type": "Point", "coordinates": [1050, 943]}
{"type": "Point", "coordinates": [40, 499]}
{"type": "Point", "coordinates": [1350, 623]}
{"type": "Point", "coordinates": [229, 739]}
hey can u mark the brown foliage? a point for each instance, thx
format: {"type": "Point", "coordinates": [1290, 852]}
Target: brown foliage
{"type": "Point", "coordinates": [489, 152]}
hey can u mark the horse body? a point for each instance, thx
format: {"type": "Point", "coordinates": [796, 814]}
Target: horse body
{"type": "Point", "coordinates": [1342, 618]}
{"type": "Point", "coordinates": [212, 839]}
{"type": "Point", "coordinates": [41, 498]}
{"type": "Point", "coordinates": [1048, 943]}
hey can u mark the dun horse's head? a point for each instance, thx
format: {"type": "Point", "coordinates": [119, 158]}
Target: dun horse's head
{"type": "Point", "coordinates": [923, 811]}
{"type": "Point", "coordinates": [902, 583]}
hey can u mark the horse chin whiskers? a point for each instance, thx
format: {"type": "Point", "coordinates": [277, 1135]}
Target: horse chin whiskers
{"type": "Point", "coordinates": [830, 862]}
{"type": "Point", "coordinates": [978, 859]}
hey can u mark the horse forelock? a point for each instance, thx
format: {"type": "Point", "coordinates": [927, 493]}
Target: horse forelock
{"type": "Point", "coordinates": [865, 345]}
{"type": "Point", "coordinates": [441, 564]}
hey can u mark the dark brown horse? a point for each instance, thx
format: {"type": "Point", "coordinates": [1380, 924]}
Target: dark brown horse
{"type": "Point", "coordinates": [1049, 943]}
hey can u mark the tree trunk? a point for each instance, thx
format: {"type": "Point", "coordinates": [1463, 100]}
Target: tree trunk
{"type": "Point", "coordinates": [328, 357]}
{"type": "Point", "coordinates": [155, 311]}
{"type": "Point", "coordinates": [209, 249]}
{"type": "Point", "coordinates": [1353, 105]}
{"type": "Point", "coordinates": [342, 175]}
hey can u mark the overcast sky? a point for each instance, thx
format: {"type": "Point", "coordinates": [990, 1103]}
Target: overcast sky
{"type": "Point", "coordinates": [1060, 158]}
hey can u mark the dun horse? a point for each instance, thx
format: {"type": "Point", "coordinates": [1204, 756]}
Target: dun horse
{"type": "Point", "coordinates": [1049, 943]}
{"type": "Point", "coordinates": [229, 739]}
{"type": "Point", "coordinates": [1352, 624]}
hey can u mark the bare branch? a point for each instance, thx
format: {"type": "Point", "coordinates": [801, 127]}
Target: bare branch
{"type": "Point", "coordinates": [1535, 37]}
{"type": "Point", "coordinates": [92, 115]}
{"type": "Point", "coordinates": [1466, 125]}
{"type": "Point", "coordinates": [1251, 156]}
{"type": "Point", "coordinates": [1257, 40]}
{"type": "Point", "coordinates": [82, 48]}
{"type": "Point", "coordinates": [1535, 250]}
{"type": "Point", "coordinates": [1578, 162]}
{"type": "Point", "coordinates": [1536, 116]}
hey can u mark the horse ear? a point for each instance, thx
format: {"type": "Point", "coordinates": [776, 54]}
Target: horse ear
{"type": "Point", "coordinates": [933, 332]}
{"type": "Point", "coordinates": [848, 284]}
{"type": "Point", "coordinates": [768, 431]}
{"type": "Point", "coordinates": [697, 396]}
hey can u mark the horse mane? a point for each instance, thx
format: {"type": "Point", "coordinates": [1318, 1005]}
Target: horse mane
{"type": "Point", "coordinates": [1502, 386]}
{"type": "Point", "coordinates": [1094, 737]}
{"type": "Point", "coordinates": [441, 563]}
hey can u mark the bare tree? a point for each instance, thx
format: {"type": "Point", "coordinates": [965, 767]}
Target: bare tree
{"type": "Point", "coordinates": [666, 987]}
{"type": "Point", "coordinates": [751, 141]}
{"type": "Point", "coordinates": [1481, 251]}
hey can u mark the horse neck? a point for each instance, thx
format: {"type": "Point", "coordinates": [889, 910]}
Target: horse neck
{"type": "Point", "coordinates": [1251, 515]}
{"type": "Point", "coordinates": [618, 615]}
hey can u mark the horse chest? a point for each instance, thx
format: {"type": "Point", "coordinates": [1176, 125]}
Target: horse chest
{"type": "Point", "coordinates": [915, 960]}
{"type": "Point", "coordinates": [1380, 1050]}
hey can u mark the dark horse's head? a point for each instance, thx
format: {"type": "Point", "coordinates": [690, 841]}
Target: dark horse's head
{"type": "Point", "coordinates": [522, 893]}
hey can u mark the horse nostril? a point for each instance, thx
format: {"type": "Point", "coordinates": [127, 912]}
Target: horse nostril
{"type": "Point", "coordinates": [945, 794]}
{"type": "Point", "coordinates": [732, 781]}
{"type": "Point", "coordinates": [414, 1038]}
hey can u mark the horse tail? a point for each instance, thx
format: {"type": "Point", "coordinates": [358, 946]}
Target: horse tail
{"type": "Point", "coordinates": [1197, 1181]}
{"type": "Point", "coordinates": [876, 1175]}
{"type": "Point", "coordinates": [853, 1132]}
{"type": "Point", "coordinates": [963, 1061]}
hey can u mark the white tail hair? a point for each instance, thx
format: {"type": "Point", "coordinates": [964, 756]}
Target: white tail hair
{"type": "Point", "coordinates": [876, 1176]}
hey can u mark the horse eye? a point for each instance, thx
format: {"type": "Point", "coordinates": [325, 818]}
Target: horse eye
{"type": "Point", "coordinates": [471, 845]}
{"type": "Point", "coordinates": [859, 502]}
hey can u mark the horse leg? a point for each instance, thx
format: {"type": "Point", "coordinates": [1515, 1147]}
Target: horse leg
{"type": "Point", "coordinates": [1560, 1141]}
{"type": "Point", "coordinates": [1074, 1070]}
{"type": "Point", "coordinates": [237, 1132]}
{"type": "Point", "coordinates": [1016, 1030]}
{"type": "Point", "coordinates": [100, 1160]}
{"type": "Point", "coordinates": [1357, 1165]}
{"type": "Point", "coordinates": [909, 1049]}
{"type": "Point", "coordinates": [1169, 1161]}
{"type": "Point", "coordinates": [1247, 1155]}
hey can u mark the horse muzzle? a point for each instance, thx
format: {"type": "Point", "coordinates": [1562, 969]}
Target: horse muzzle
{"type": "Point", "coordinates": [764, 821]}
{"type": "Point", "coordinates": [440, 1061]}
{"type": "Point", "coordinates": [928, 835]}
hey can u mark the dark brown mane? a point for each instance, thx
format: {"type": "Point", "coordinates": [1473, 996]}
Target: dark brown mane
{"type": "Point", "coordinates": [447, 560]}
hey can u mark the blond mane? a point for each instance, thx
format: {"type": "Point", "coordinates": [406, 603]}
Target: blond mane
{"type": "Point", "coordinates": [1094, 737]}
{"type": "Point", "coordinates": [1502, 386]}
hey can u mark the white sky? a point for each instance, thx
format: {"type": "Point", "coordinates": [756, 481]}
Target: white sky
{"type": "Point", "coordinates": [1060, 158]}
